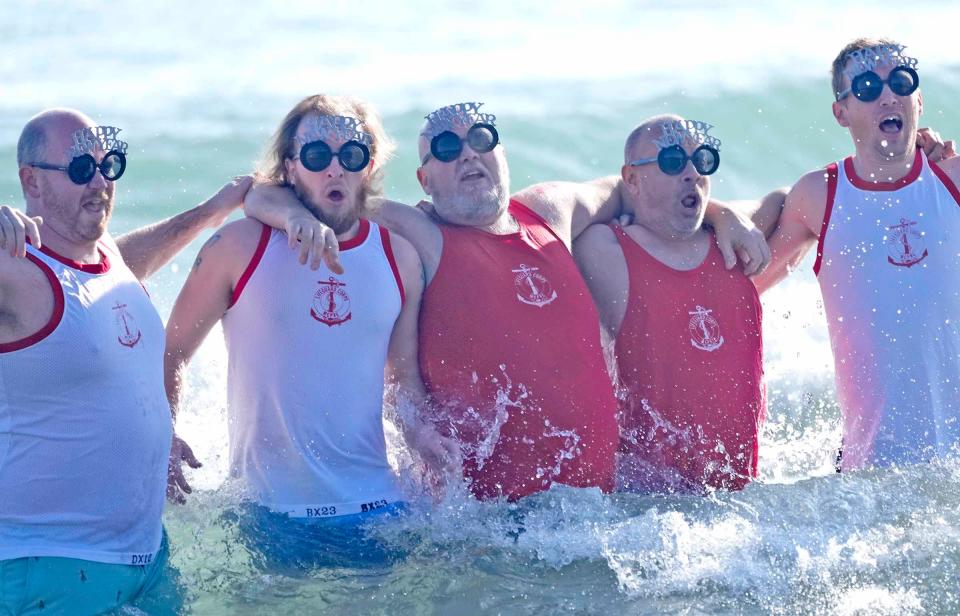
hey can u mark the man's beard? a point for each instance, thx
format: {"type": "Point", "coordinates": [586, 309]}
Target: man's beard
{"type": "Point", "coordinates": [340, 222]}
{"type": "Point", "coordinates": [57, 208]}
{"type": "Point", "coordinates": [475, 208]}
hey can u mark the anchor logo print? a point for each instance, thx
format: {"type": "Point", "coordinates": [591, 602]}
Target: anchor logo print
{"type": "Point", "coordinates": [129, 332]}
{"type": "Point", "coordinates": [533, 288]}
{"type": "Point", "coordinates": [704, 330]}
{"type": "Point", "coordinates": [331, 304]}
{"type": "Point", "coordinates": [904, 244]}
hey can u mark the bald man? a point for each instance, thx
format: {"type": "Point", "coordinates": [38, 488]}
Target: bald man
{"type": "Point", "coordinates": [685, 330]}
{"type": "Point", "coordinates": [85, 426]}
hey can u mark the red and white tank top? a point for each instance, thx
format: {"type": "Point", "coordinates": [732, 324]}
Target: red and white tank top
{"type": "Point", "coordinates": [85, 425]}
{"type": "Point", "coordinates": [888, 264]}
{"type": "Point", "coordinates": [510, 348]}
{"type": "Point", "coordinates": [307, 351]}
{"type": "Point", "coordinates": [690, 361]}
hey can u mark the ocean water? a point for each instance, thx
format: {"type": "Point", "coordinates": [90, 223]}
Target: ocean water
{"type": "Point", "coordinates": [198, 87]}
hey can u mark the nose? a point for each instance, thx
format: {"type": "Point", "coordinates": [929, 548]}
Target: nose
{"type": "Point", "coordinates": [468, 152]}
{"type": "Point", "coordinates": [690, 173]}
{"type": "Point", "coordinates": [98, 182]}
{"type": "Point", "coordinates": [335, 170]}
{"type": "Point", "coordinates": [887, 97]}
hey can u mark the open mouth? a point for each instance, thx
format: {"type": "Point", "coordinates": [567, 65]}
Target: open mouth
{"type": "Point", "coordinates": [691, 201]}
{"type": "Point", "coordinates": [95, 207]}
{"type": "Point", "coordinates": [336, 196]}
{"type": "Point", "coordinates": [891, 124]}
{"type": "Point", "coordinates": [474, 175]}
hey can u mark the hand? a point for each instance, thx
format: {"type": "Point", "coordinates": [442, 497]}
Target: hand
{"type": "Point", "coordinates": [318, 242]}
{"type": "Point", "coordinates": [177, 486]}
{"type": "Point", "coordinates": [738, 237]}
{"type": "Point", "coordinates": [427, 208]}
{"type": "Point", "coordinates": [934, 146]}
{"type": "Point", "coordinates": [441, 454]}
{"type": "Point", "coordinates": [227, 199]}
{"type": "Point", "coordinates": [15, 226]}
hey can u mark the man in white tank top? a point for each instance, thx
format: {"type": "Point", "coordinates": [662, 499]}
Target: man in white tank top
{"type": "Point", "coordinates": [84, 424]}
{"type": "Point", "coordinates": [885, 222]}
{"type": "Point", "coordinates": [307, 349]}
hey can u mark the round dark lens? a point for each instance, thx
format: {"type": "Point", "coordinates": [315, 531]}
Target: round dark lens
{"type": "Point", "coordinates": [903, 81]}
{"type": "Point", "coordinates": [482, 138]}
{"type": "Point", "coordinates": [316, 156]}
{"type": "Point", "coordinates": [113, 165]}
{"type": "Point", "coordinates": [867, 86]}
{"type": "Point", "coordinates": [672, 160]}
{"type": "Point", "coordinates": [446, 146]}
{"type": "Point", "coordinates": [706, 160]}
{"type": "Point", "coordinates": [354, 156]}
{"type": "Point", "coordinates": [81, 169]}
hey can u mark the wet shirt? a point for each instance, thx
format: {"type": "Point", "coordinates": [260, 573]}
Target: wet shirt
{"type": "Point", "coordinates": [888, 265]}
{"type": "Point", "coordinates": [510, 350]}
{"type": "Point", "coordinates": [690, 362]}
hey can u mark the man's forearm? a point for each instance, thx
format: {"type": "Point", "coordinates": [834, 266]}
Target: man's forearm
{"type": "Point", "coordinates": [147, 249]}
{"type": "Point", "coordinates": [273, 205]}
{"type": "Point", "coordinates": [764, 213]}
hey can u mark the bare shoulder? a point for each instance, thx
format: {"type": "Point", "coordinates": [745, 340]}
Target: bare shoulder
{"type": "Point", "coordinates": [807, 199]}
{"type": "Point", "coordinates": [404, 252]}
{"type": "Point", "coordinates": [597, 240]}
{"type": "Point", "coordinates": [548, 200]}
{"type": "Point", "coordinates": [230, 247]}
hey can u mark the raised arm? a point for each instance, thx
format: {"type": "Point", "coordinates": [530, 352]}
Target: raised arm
{"type": "Point", "coordinates": [149, 248]}
{"type": "Point", "coordinates": [204, 298]}
{"type": "Point", "coordinates": [15, 228]}
{"type": "Point", "coordinates": [571, 207]}
{"type": "Point", "coordinates": [797, 230]}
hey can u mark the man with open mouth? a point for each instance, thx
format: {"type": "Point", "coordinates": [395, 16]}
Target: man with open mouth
{"type": "Point", "coordinates": [885, 222]}
{"type": "Point", "coordinates": [84, 422]}
{"type": "Point", "coordinates": [685, 332]}
{"type": "Point", "coordinates": [307, 349]}
{"type": "Point", "coordinates": [509, 344]}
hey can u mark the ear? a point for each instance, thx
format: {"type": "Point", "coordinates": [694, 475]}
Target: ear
{"type": "Point", "coordinates": [629, 176]}
{"type": "Point", "coordinates": [289, 166]}
{"type": "Point", "coordinates": [28, 180]}
{"type": "Point", "coordinates": [840, 113]}
{"type": "Point", "coordinates": [422, 178]}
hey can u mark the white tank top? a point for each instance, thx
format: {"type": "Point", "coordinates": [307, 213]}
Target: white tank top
{"type": "Point", "coordinates": [84, 421]}
{"type": "Point", "coordinates": [888, 264]}
{"type": "Point", "coordinates": [306, 354]}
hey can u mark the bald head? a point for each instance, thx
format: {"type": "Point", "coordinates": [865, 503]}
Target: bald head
{"type": "Point", "coordinates": [49, 134]}
{"type": "Point", "coordinates": [644, 135]}
{"type": "Point", "coordinates": [423, 141]}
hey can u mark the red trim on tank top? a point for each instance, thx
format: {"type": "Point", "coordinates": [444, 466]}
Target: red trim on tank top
{"type": "Point", "coordinates": [55, 318]}
{"type": "Point", "coordinates": [712, 253]}
{"type": "Point", "coordinates": [88, 268]}
{"type": "Point", "coordinates": [388, 250]}
{"type": "Point", "coordinates": [947, 182]}
{"type": "Point", "coordinates": [265, 234]}
{"type": "Point", "coordinates": [537, 217]}
{"type": "Point", "coordinates": [359, 238]}
{"type": "Point", "coordinates": [862, 184]}
{"type": "Point", "coordinates": [832, 171]}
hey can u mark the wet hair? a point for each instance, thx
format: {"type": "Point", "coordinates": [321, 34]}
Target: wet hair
{"type": "Point", "coordinates": [840, 62]}
{"type": "Point", "coordinates": [282, 145]}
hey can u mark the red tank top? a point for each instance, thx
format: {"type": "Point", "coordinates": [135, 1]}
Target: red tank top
{"type": "Point", "coordinates": [690, 360]}
{"type": "Point", "coordinates": [510, 349]}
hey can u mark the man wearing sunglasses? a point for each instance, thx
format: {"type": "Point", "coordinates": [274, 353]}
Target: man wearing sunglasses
{"type": "Point", "coordinates": [885, 222]}
{"type": "Point", "coordinates": [684, 331]}
{"type": "Point", "coordinates": [307, 349]}
{"type": "Point", "coordinates": [84, 422]}
{"type": "Point", "coordinates": [509, 347]}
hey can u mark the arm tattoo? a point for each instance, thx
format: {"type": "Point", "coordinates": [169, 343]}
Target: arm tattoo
{"type": "Point", "coordinates": [210, 242]}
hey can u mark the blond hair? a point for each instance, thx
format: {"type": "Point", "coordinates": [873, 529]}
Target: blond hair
{"type": "Point", "coordinates": [282, 145]}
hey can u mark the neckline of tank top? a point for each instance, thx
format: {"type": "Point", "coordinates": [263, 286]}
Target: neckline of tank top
{"type": "Point", "coordinates": [101, 267]}
{"type": "Point", "coordinates": [362, 233]}
{"type": "Point", "coordinates": [711, 248]}
{"type": "Point", "coordinates": [516, 233]}
{"type": "Point", "coordinates": [862, 184]}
